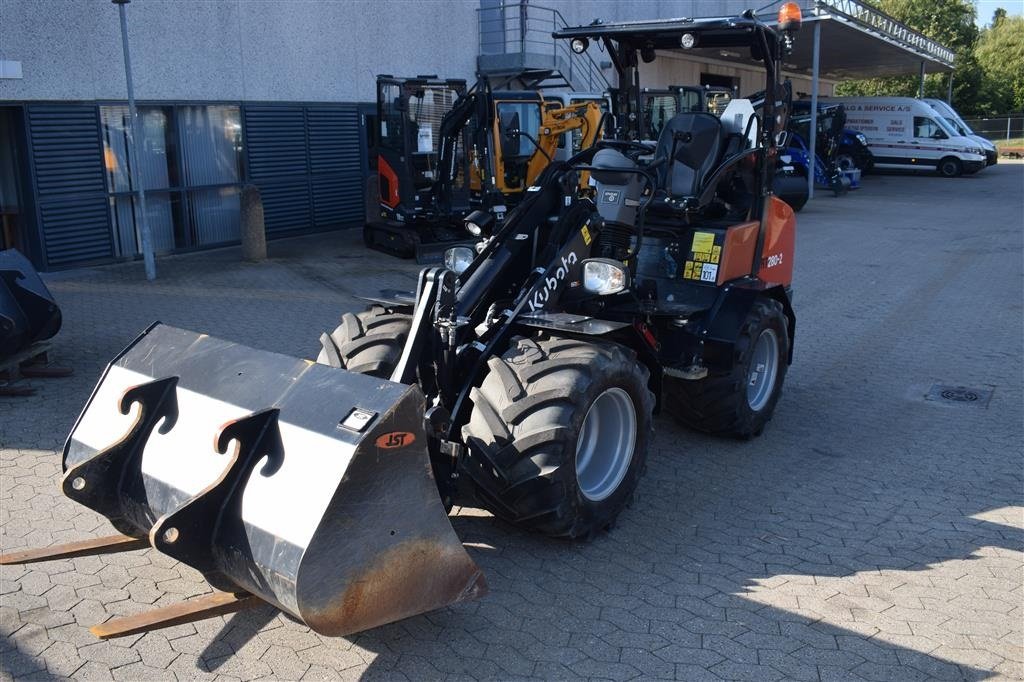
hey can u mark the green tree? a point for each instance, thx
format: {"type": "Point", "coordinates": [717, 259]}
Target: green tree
{"type": "Point", "coordinates": [1000, 54]}
{"type": "Point", "coordinates": [998, 16]}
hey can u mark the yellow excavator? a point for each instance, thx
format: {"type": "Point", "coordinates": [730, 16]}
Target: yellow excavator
{"type": "Point", "coordinates": [517, 165]}
{"type": "Point", "coordinates": [444, 152]}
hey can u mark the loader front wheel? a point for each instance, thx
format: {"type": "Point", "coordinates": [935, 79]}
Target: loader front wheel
{"type": "Point", "coordinates": [741, 402]}
{"type": "Point", "coordinates": [369, 342]}
{"type": "Point", "coordinates": [558, 435]}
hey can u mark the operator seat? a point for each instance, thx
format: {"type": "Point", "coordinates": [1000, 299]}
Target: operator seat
{"type": "Point", "coordinates": [694, 142]}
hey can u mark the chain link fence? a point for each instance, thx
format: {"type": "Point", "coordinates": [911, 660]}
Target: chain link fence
{"type": "Point", "coordinates": [998, 127]}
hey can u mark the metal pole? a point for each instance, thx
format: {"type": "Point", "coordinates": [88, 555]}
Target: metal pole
{"type": "Point", "coordinates": [949, 89]}
{"type": "Point", "coordinates": [920, 87]}
{"type": "Point", "coordinates": [813, 134]}
{"type": "Point", "coordinates": [141, 217]}
{"type": "Point", "coordinates": [1008, 126]}
{"type": "Point", "coordinates": [522, 28]}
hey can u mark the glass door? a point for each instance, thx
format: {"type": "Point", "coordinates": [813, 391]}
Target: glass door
{"type": "Point", "coordinates": [190, 164]}
{"type": "Point", "coordinates": [158, 169]}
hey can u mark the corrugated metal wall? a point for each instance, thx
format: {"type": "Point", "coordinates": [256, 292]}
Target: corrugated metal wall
{"type": "Point", "coordinates": [67, 161]}
{"type": "Point", "coordinates": [308, 162]}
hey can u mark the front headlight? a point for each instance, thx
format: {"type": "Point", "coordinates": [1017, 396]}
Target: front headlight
{"type": "Point", "coordinates": [862, 138]}
{"type": "Point", "coordinates": [479, 223]}
{"type": "Point", "coordinates": [974, 150]}
{"type": "Point", "coordinates": [602, 276]}
{"type": "Point", "coordinates": [458, 258]}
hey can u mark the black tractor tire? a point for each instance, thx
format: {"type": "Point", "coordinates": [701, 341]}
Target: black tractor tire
{"type": "Point", "coordinates": [846, 159]}
{"type": "Point", "coordinates": [719, 404]}
{"type": "Point", "coordinates": [792, 188]}
{"type": "Point", "coordinates": [950, 167]}
{"type": "Point", "coordinates": [369, 342]}
{"type": "Point", "coordinates": [525, 426]}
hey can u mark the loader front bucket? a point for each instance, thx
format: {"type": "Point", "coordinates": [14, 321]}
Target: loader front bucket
{"type": "Point", "coordinates": [310, 487]}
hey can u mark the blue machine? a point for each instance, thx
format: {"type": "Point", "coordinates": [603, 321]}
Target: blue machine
{"type": "Point", "coordinates": [827, 176]}
{"type": "Point", "coordinates": [851, 146]}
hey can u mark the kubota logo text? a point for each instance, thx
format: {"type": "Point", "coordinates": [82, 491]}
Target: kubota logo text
{"type": "Point", "coordinates": [541, 296]}
{"type": "Point", "coordinates": [396, 439]}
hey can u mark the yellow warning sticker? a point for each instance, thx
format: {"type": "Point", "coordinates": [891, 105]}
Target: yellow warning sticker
{"type": "Point", "coordinates": [691, 270]}
{"type": "Point", "coordinates": [702, 242]}
{"type": "Point", "coordinates": [586, 235]}
{"type": "Point", "coordinates": [716, 253]}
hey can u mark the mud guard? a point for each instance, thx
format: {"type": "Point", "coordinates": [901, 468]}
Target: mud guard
{"type": "Point", "coordinates": [725, 318]}
{"type": "Point", "coordinates": [306, 485]}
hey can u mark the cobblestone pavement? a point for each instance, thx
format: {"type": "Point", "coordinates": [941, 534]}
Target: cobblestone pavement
{"type": "Point", "coordinates": [869, 533]}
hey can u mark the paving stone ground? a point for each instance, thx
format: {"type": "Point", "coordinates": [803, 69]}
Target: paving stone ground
{"type": "Point", "coordinates": [869, 534]}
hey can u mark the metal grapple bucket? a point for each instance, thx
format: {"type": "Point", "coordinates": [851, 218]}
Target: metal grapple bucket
{"type": "Point", "coordinates": [306, 485]}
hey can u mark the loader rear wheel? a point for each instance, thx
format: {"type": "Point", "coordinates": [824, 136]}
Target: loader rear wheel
{"type": "Point", "coordinates": [558, 435]}
{"type": "Point", "coordinates": [741, 402]}
{"type": "Point", "coordinates": [369, 342]}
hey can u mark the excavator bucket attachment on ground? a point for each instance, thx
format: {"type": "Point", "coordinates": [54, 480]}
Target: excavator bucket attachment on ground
{"type": "Point", "coordinates": [305, 485]}
{"type": "Point", "coordinates": [28, 313]}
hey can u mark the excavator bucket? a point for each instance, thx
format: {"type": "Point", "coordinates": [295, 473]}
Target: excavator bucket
{"type": "Point", "coordinates": [307, 486]}
{"type": "Point", "coordinates": [28, 313]}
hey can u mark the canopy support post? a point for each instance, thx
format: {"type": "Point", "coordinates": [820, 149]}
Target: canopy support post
{"type": "Point", "coordinates": [814, 109]}
{"type": "Point", "coordinates": [920, 85]}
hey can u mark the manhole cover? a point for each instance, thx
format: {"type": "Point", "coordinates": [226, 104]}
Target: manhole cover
{"type": "Point", "coordinates": [959, 395]}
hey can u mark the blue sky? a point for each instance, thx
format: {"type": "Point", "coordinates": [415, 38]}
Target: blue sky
{"type": "Point", "coordinates": [987, 7]}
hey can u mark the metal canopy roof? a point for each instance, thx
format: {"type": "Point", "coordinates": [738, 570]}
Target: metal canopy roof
{"type": "Point", "coordinates": [850, 50]}
{"type": "Point", "coordinates": [860, 41]}
{"type": "Point", "coordinates": [857, 40]}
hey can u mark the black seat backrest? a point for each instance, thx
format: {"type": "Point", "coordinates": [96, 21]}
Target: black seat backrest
{"type": "Point", "coordinates": [694, 141]}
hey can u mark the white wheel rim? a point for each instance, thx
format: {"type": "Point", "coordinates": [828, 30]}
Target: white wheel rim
{"type": "Point", "coordinates": [605, 445]}
{"type": "Point", "coordinates": [764, 369]}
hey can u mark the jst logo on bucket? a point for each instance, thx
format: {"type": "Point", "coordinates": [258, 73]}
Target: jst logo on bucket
{"type": "Point", "coordinates": [395, 439]}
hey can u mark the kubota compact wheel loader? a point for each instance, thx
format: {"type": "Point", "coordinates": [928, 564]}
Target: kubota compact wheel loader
{"type": "Point", "coordinates": [526, 372]}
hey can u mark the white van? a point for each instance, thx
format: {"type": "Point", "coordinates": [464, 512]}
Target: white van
{"type": "Point", "coordinates": [906, 133]}
{"type": "Point", "coordinates": [954, 119]}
